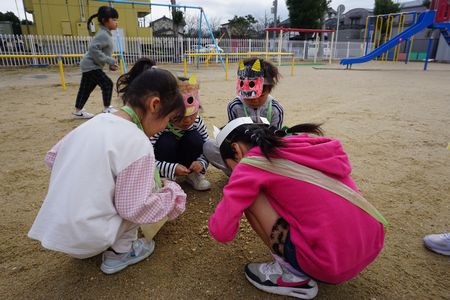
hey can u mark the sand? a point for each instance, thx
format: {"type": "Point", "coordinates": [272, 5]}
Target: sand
{"type": "Point", "coordinates": [393, 120]}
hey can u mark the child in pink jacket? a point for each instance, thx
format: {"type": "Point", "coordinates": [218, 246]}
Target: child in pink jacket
{"type": "Point", "coordinates": [294, 192]}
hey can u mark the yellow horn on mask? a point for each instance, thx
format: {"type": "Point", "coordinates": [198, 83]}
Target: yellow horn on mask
{"type": "Point", "coordinates": [241, 65]}
{"type": "Point", "coordinates": [256, 66]}
{"type": "Point", "coordinates": [193, 79]}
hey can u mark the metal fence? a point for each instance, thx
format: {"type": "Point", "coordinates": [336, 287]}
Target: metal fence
{"type": "Point", "coordinates": [165, 49]}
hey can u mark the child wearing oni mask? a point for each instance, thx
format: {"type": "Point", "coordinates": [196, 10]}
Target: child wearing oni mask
{"type": "Point", "coordinates": [179, 148]}
{"type": "Point", "coordinates": [256, 79]}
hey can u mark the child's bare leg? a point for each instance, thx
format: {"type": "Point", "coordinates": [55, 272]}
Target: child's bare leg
{"type": "Point", "coordinates": [263, 217]}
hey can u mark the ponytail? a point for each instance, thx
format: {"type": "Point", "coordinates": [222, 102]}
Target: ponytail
{"type": "Point", "coordinates": [103, 14]}
{"type": "Point", "coordinates": [305, 128]}
{"type": "Point", "coordinates": [89, 21]}
{"type": "Point", "coordinates": [139, 67]}
{"type": "Point", "coordinates": [266, 138]}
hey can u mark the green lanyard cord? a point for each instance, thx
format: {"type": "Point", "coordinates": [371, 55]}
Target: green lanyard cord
{"type": "Point", "coordinates": [269, 110]}
{"type": "Point", "coordinates": [135, 119]}
{"type": "Point", "coordinates": [177, 132]}
{"type": "Point", "coordinates": [133, 115]}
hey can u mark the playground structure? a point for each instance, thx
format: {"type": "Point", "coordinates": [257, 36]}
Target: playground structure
{"type": "Point", "coordinates": [227, 55]}
{"type": "Point", "coordinates": [300, 30]}
{"type": "Point", "coordinates": [435, 18]}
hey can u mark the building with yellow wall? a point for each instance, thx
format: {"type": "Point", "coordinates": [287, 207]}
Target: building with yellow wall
{"type": "Point", "coordinates": [69, 17]}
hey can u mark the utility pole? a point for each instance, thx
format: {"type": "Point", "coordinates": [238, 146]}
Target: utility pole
{"type": "Point", "coordinates": [275, 19]}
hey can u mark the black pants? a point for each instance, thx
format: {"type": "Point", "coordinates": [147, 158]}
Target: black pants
{"type": "Point", "coordinates": [89, 80]}
{"type": "Point", "coordinates": [184, 151]}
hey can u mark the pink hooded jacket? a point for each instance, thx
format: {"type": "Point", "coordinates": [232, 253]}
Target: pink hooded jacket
{"type": "Point", "coordinates": [334, 239]}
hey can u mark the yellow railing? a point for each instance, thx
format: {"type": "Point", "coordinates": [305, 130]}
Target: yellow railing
{"type": "Point", "coordinates": [246, 55]}
{"type": "Point", "coordinates": [227, 55]}
{"type": "Point", "coordinates": [60, 62]}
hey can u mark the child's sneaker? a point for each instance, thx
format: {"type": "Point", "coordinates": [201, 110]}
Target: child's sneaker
{"type": "Point", "coordinates": [109, 110]}
{"type": "Point", "coordinates": [198, 181]}
{"type": "Point", "coordinates": [82, 115]}
{"type": "Point", "coordinates": [272, 278]}
{"type": "Point", "coordinates": [112, 262]}
{"type": "Point", "coordinates": [439, 243]}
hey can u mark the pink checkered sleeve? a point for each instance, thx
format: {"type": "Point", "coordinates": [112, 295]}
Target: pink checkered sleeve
{"type": "Point", "coordinates": [137, 200]}
{"type": "Point", "coordinates": [51, 155]}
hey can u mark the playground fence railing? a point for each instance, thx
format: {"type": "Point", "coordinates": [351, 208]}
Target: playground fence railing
{"type": "Point", "coordinates": [166, 49]}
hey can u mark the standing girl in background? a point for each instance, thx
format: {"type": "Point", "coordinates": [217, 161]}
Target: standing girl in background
{"type": "Point", "coordinates": [100, 53]}
{"type": "Point", "coordinates": [104, 181]}
{"type": "Point", "coordinates": [298, 196]}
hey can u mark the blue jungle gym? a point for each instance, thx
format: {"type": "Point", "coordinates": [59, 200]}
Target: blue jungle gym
{"type": "Point", "coordinates": [437, 17]}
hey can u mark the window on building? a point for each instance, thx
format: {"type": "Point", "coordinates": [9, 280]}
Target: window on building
{"type": "Point", "coordinates": [143, 19]}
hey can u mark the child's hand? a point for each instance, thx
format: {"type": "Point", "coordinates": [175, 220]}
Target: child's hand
{"type": "Point", "coordinates": [196, 167]}
{"type": "Point", "coordinates": [181, 170]}
{"type": "Point", "coordinates": [113, 67]}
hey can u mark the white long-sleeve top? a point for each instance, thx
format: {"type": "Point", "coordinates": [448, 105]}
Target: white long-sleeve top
{"type": "Point", "coordinates": [102, 174]}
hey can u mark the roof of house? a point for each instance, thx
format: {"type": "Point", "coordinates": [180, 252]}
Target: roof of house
{"type": "Point", "coordinates": [414, 3]}
{"type": "Point", "coordinates": [160, 19]}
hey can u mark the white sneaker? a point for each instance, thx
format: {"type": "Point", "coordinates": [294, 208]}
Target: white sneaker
{"type": "Point", "coordinates": [272, 278]}
{"type": "Point", "coordinates": [198, 181]}
{"type": "Point", "coordinates": [82, 115]}
{"type": "Point", "coordinates": [109, 110]}
{"type": "Point", "coordinates": [140, 250]}
{"type": "Point", "coordinates": [439, 243]}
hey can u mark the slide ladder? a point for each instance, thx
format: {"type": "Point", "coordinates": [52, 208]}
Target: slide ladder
{"type": "Point", "coordinates": [425, 20]}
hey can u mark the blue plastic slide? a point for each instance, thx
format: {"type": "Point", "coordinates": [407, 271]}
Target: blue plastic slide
{"type": "Point", "coordinates": [425, 20]}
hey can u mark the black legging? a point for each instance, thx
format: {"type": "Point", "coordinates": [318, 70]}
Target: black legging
{"type": "Point", "coordinates": [89, 80]}
{"type": "Point", "coordinates": [183, 151]}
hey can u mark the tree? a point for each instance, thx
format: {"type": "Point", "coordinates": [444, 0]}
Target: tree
{"type": "Point", "coordinates": [242, 27]}
{"type": "Point", "coordinates": [192, 23]}
{"type": "Point", "coordinates": [385, 7]}
{"type": "Point", "coordinates": [306, 13]}
{"type": "Point", "coordinates": [426, 3]}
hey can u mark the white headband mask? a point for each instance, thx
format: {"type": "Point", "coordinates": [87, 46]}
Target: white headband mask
{"type": "Point", "coordinates": [221, 135]}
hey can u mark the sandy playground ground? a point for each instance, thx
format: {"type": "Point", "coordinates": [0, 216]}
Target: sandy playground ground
{"type": "Point", "coordinates": [394, 122]}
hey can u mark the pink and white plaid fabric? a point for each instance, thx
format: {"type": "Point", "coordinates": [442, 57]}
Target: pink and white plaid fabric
{"type": "Point", "coordinates": [136, 199]}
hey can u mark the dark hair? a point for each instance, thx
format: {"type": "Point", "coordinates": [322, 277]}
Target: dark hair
{"type": "Point", "coordinates": [266, 138]}
{"type": "Point", "coordinates": [103, 14]}
{"type": "Point", "coordinates": [271, 73]}
{"type": "Point", "coordinates": [155, 82]}
{"type": "Point", "coordinates": [140, 66]}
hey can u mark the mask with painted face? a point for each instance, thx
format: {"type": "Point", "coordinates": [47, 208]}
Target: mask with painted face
{"type": "Point", "coordinates": [190, 92]}
{"type": "Point", "coordinates": [250, 80]}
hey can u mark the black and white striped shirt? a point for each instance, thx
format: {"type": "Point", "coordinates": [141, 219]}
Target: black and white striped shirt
{"type": "Point", "coordinates": [238, 109]}
{"type": "Point", "coordinates": [167, 169]}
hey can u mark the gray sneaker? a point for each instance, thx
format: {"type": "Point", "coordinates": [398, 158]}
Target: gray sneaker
{"type": "Point", "coordinates": [439, 243]}
{"type": "Point", "coordinates": [112, 262]}
{"type": "Point", "coordinates": [272, 278]}
{"type": "Point", "coordinates": [198, 181]}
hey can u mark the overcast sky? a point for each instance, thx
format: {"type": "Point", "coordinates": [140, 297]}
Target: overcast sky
{"type": "Point", "coordinates": [221, 9]}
